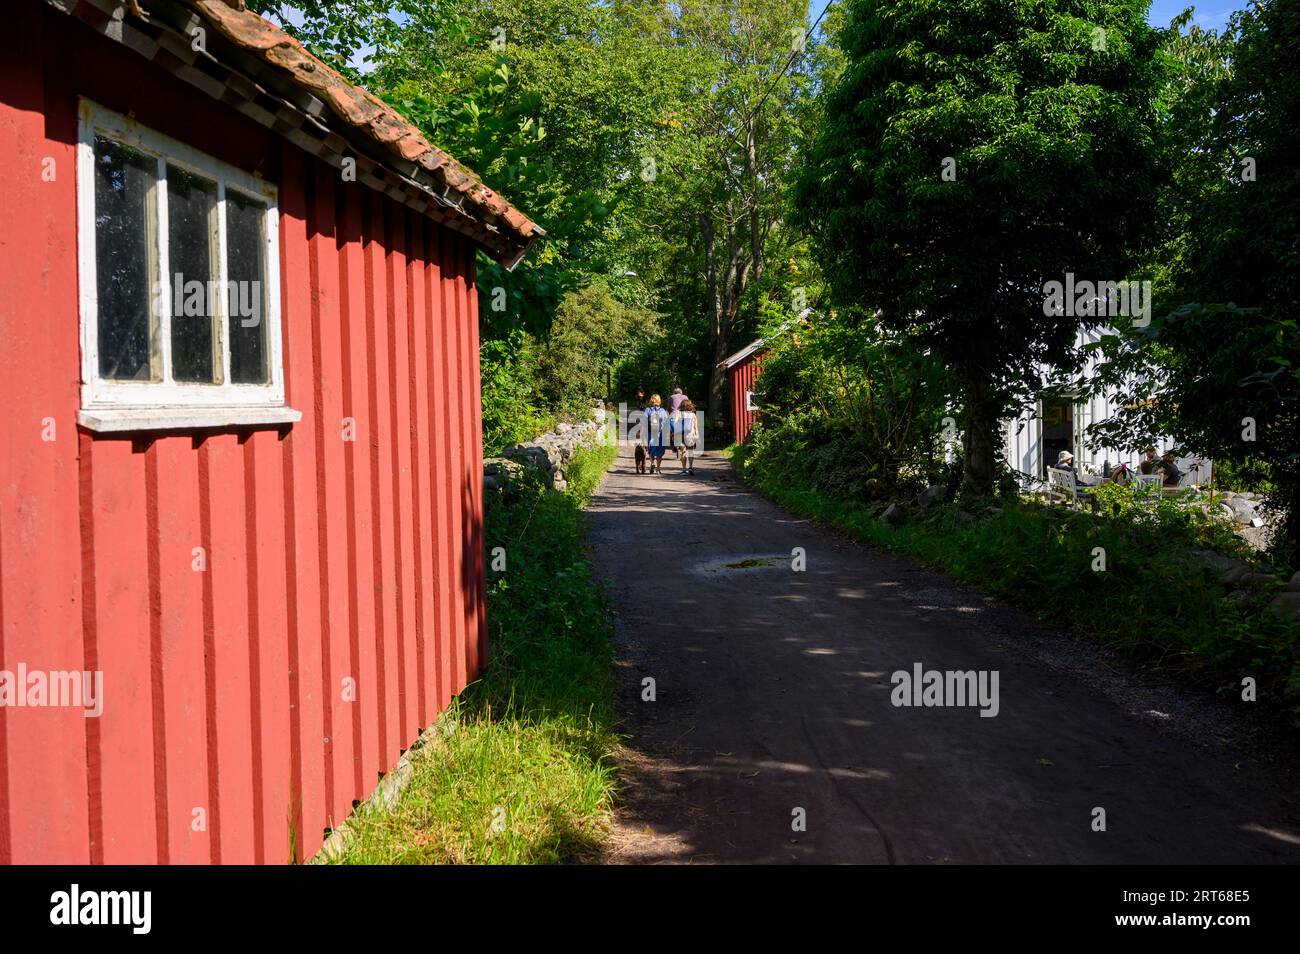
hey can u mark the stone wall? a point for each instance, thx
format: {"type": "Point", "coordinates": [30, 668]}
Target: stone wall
{"type": "Point", "coordinates": [547, 454]}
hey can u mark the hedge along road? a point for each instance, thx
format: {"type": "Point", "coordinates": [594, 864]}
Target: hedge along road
{"type": "Point", "coordinates": [772, 703]}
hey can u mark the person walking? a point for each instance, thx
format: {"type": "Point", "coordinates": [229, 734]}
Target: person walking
{"type": "Point", "coordinates": [634, 416]}
{"type": "Point", "coordinates": [674, 413]}
{"type": "Point", "coordinates": [688, 428]}
{"type": "Point", "coordinates": [656, 424]}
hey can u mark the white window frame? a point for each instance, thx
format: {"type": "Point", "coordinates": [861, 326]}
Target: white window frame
{"type": "Point", "coordinates": [110, 405]}
{"type": "Point", "coordinates": [750, 406]}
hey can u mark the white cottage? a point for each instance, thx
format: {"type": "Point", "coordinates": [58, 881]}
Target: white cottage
{"type": "Point", "coordinates": [1047, 425]}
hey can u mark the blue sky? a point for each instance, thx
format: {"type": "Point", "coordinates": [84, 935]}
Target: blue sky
{"type": "Point", "coordinates": [1209, 13]}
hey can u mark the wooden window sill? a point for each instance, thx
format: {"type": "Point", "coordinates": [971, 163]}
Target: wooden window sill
{"type": "Point", "coordinates": [119, 419]}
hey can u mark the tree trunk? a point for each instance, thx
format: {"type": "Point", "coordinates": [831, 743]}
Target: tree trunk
{"type": "Point", "coordinates": [717, 331]}
{"type": "Point", "coordinates": [981, 419]}
{"type": "Point", "coordinates": [755, 229]}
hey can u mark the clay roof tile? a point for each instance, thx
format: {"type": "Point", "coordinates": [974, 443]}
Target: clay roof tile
{"type": "Point", "coordinates": [372, 117]}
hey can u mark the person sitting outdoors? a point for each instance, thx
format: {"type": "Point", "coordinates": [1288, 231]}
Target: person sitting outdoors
{"type": "Point", "coordinates": [1169, 467]}
{"type": "Point", "coordinates": [1149, 462]}
{"type": "Point", "coordinates": [1065, 461]}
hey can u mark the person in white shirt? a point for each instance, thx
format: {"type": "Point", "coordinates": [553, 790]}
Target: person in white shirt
{"type": "Point", "coordinates": [687, 428]}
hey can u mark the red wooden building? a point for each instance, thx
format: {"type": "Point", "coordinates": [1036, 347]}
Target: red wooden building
{"type": "Point", "coordinates": [240, 480]}
{"type": "Point", "coordinates": [742, 370]}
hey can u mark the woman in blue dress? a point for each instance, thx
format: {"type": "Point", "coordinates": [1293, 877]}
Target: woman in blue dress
{"type": "Point", "coordinates": [656, 424]}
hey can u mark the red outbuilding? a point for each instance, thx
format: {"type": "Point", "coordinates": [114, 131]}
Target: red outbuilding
{"type": "Point", "coordinates": [241, 554]}
{"type": "Point", "coordinates": [742, 370]}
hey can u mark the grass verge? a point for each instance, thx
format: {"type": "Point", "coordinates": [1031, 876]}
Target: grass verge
{"type": "Point", "coordinates": [520, 771]}
{"type": "Point", "coordinates": [1151, 602]}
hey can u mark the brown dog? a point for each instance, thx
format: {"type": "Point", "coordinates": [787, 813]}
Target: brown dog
{"type": "Point", "coordinates": [640, 459]}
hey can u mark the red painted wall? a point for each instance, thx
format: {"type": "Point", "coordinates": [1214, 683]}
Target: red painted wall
{"type": "Point", "coordinates": [744, 376]}
{"type": "Point", "coordinates": [326, 559]}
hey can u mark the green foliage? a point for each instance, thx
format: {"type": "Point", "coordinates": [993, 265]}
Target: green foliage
{"type": "Point", "coordinates": [653, 142]}
{"type": "Point", "coordinates": [339, 30]}
{"type": "Point", "coordinates": [511, 413]}
{"type": "Point", "coordinates": [857, 411]}
{"type": "Point", "coordinates": [593, 333]}
{"type": "Point", "coordinates": [1152, 602]}
{"type": "Point", "coordinates": [724, 157]}
{"type": "Point", "coordinates": [1250, 474]}
{"type": "Point", "coordinates": [1052, 139]}
{"type": "Point", "coordinates": [534, 736]}
{"type": "Point", "coordinates": [1181, 519]}
{"type": "Point", "coordinates": [1219, 367]}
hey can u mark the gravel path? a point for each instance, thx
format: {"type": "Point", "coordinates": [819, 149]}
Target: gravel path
{"type": "Point", "coordinates": [772, 703]}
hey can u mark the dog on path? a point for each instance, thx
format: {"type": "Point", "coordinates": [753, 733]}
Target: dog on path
{"type": "Point", "coordinates": [640, 459]}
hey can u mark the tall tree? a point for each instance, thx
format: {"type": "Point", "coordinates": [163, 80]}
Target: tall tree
{"type": "Point", "coordinates": [652, 140]}
{"type": "Point", "coordinates": [729, 161]}
{"type": "Point", "coordinates": [1219, 367]}
{"type": "Point", "coordinates": [971, 152]}
{"type": "Point", "coordinates": [555, 103]}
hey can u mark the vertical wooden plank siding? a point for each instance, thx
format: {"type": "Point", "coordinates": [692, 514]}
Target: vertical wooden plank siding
{"type": "Point", "coordinates": [122, 643]}
{"type": "Point", "coordinates": [473, 393]}
{"type": "Point", "coordinates": [303, 576]}
{"type": "Point", "coordinates": [744, 377]}
{"type": "Point", "coordinates": [455, 436]}
{"type": "Point", "coordinates": [274, 748]}
{"type": "Point", "coordinates": [363, 578]}
{"type": "Point", "coordinates": [221, 474]}
{"type": "Point", "coordinates": [45, 808]}
{"type": "Point", "coordinates": [439, 478]}
{"type": "Point", "coordinates": [276, 613]}
{"type": "Point", "coordinates": [416, 343]}
{"type": "Point", "coordinates": [182, 559]}
{"type": "Point", "coordinates": [383, 507]}
{"type": "Point", "coordinates": [399, 383]}
{"type": "Point", "coordinates": [423, 477]}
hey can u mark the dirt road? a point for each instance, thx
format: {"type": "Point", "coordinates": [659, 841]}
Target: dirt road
{"type": "Point", "coordinates": [772, 702]}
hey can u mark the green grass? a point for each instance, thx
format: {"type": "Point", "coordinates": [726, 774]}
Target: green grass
{"type": "Point", "coordinates": [1151, 602]}
{"type": "Point", "coordinates": [521, 769]}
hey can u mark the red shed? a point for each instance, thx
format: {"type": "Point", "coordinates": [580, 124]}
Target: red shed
{"type": "Point", "coordinates": [241, 528]}
{"type": "Point", "coordinates": [742, 368]}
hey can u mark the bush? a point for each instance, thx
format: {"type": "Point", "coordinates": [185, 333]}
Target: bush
{"type": "Point", "coordinates": [857, 413]}
{"type": "Point", "coordinates": [592, 334]}
{"type": "Point", "coordinates": [511, 414]}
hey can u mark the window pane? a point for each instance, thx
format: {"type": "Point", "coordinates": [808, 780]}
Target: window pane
{"type": "Point", "coordinates": [123, 247]}
{"type": "Point", "coordinates": [191, 212]}
{"type": "Point", "coordinates": [245, 268]}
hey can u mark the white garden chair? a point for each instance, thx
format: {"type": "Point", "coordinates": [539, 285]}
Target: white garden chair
{"type": "Point", "coordinates": [1150, 487]}
{"type": "Point", "coordinates": [1061, 486]}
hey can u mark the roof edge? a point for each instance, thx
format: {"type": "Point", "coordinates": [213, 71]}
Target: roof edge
{"type": "Point", "coordinates": [267, 75]}
{"type": "Point", "coordinates": [368, 114]}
